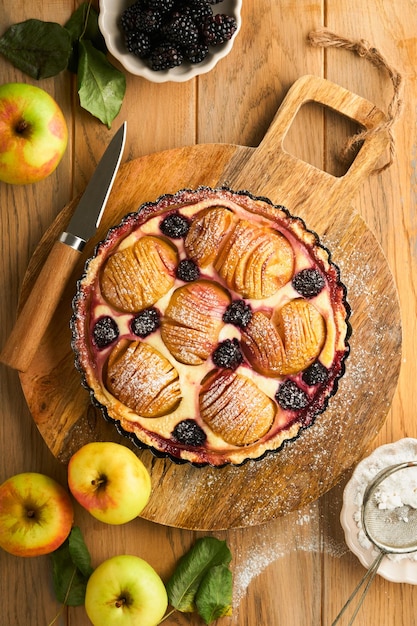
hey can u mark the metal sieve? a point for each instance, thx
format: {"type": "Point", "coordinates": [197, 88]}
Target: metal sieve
{"type": "Point", "coordinates": [392, 529]}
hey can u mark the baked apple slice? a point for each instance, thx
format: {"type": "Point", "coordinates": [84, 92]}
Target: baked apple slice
{"type": "Point", "coordinates": [141, 378]}
{"type": "Point", "coordinates": [206, 234]}
{"type": "Point", "coordinates": [193, 319]}
{"type": "Point", "coordinates": [287, 342]}
{"type": "Point", "coordinates": [255, 261]}
{"type": "Point", "coordinates": [235, 408]}
{"type": "Point", "coordinates": [136, 277]}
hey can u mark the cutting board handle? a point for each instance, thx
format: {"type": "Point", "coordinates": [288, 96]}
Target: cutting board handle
{"type": "Point", "coordinates": [273, 172]}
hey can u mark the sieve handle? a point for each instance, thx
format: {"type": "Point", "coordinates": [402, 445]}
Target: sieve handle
{"type": "Point", "coordinates": [366, 580]}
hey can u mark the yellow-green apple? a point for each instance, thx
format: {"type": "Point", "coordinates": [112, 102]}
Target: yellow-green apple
{"type": "Point", "coordinates": [110, 481]}
{"type": "Point", "coordinates": [36, 514]}
{"type": "Point", "coordinates": [126, 590]}
{"type": "Point", "coordinates": [33, 133]}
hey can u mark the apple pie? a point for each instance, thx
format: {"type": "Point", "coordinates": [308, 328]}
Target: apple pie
{"type": "Point", "coordinates": [211, 326]}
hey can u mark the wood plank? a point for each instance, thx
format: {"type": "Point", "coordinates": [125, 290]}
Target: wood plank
{"type": "Point", "coordinates": [381, 201]}
{"type": "Point", "coordinates": [25, 214]}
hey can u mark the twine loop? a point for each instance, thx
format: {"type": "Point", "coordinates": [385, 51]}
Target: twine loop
{"type": "Point", "coordinates": [327, 39]}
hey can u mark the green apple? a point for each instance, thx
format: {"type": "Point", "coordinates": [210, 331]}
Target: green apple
{"type": "Point", "coordinates": [110, 481]}
{"type": "Point", "coordinates": [33, 133]}
{"type": "Point", "coordinates": [125, 590]}
{"type": "Point", "coordinates": [36, 514]}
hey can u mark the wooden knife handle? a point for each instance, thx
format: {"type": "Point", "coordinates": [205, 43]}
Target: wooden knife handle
{"type": "Point", "coordinates": [39, 308]}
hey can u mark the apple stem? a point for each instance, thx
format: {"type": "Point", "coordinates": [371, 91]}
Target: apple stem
{"type": "Point", "coordinates": [102, 480]}
{"type": "Point", "coordinates": [120, 602]}
{"type": "Point", "coordinates": [21, 127]}
{"type": "Point", "coordinates": [30, 511]}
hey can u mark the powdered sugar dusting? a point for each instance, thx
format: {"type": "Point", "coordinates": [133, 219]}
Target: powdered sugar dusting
{"type": "Point", "coordinates": [373, 313]}
{"type": "Point", "coordinates": [300, 531]}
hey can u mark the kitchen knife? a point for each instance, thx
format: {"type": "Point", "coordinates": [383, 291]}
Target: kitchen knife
{"type": "Point", "coordinates": [39, 308]}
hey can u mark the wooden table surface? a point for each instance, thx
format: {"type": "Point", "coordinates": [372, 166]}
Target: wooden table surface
{"type": "Point", "coordinates": [295, 570]}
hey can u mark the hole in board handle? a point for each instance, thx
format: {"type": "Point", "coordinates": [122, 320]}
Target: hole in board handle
{"type": "Point", "coordinates": [318, 135]}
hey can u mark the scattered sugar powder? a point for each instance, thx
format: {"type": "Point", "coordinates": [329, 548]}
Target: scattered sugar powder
{"type": "Point", "coordinates": [263, 552]}
{"type": "Point", "coordinates": [397, 493]}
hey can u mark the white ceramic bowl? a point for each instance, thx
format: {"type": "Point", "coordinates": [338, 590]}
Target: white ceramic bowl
{"type": "Point", "coordinates": [403, 570]}
{"type": "Point", "coordinates": [110, 12]}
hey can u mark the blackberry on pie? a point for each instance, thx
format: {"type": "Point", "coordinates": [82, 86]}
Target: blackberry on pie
{"type": "Point", "coordinates": [187, 270]}
{"type": "Point", "coordinates": [145, 322]}
{"type": "Point", "coordinates": [308, 282]}
{"type": "Point", "coordinates": [189, 432]}
{"type": "Point", "coordinates": [228, 354]}
{"type": "Point", "coordinates": [105, 331]}
{"type": "Point", "coordinates": [238, 313]}
{"type": "Point", "coordinates": [175, 226]}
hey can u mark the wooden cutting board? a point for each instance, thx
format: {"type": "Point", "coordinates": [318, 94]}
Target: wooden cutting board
{"type": "Point", "coordinates": [207, 498]}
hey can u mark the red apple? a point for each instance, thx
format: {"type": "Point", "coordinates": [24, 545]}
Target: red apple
{"type": "Point", "coordinates": [110, 481]}
{"type": "Point", "coordinates": [125, 590]}
{"type": "Point", "coordinates": [36, 514]}
{"type": "Point", "coordinates": [33, 133]}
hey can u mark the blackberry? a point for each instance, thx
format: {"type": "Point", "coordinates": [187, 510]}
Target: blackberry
{"type": "Point", "coordinates": [105, 331]}
{"type": "Point", "coordinates": [238, 313]}
{"type": "Point", "coordinates": [218, 28]}
{"type": "Point", "coordinates": [187, 270]}
{"type": "Point", "coordinates": [165, 56]}
{"type": "Point", "coordinates": [196, 53]}
{"type": "Point", "coordinates": [181, 30]}
{"type": "Point", "coordinates": [199, 11]}
{"type": "Point", "coordinates": [189, 433]}
{"type": "Point", "coordinates": [128, 19]}
{"type": "Point", "coordinates": [138, 43]}
{"type": "Point", "coordinates": [175, 226]}
{"type": "Point", "coordinates": [148, 21]}
{"type": "Point", "coordinates": [290, 397]}
{"type": "Point", "coordinates": [145, 322]}
{"type": "Point", "coordinates": [315, 374]}
{"type": "Point", "coordinates": [163, 6]}
{"type": "Point", "coordinates": [308, 282]}
{"type": "Point", "coordinates": [228, 354]}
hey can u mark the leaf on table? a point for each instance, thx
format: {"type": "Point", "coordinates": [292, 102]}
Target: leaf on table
{"type": "Point", "coordinates": [71, 570]}
{"type": "Point", "coordinates": [83, 24]}
{"type": "Point", "coordinates": [183, 585]}
{"type": "Point", "coordinates": [79, 552]}
{"type": "Point", "coordinates": [101, 86]}
{"type": "Point", "coordinates": [40, 49]}
{"type": "Point", "coordinates": [214, 595]}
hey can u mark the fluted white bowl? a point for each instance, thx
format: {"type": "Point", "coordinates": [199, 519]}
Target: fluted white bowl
{"type": "Point", "coordinates": [110, 12]}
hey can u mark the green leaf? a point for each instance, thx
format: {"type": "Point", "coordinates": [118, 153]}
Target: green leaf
{"type": "Point", "coordinates": [214, 595]}
{"type": "Point", "coordinates": [79, 553]}
{"type": "Point", "coordinates": [40, 49]}
{"type": "Point", "coordinates": [69, 580]}
{"type": "Point", "coordinates": [83, 24]}
{"type": "Point", "coordinates": [183, 585]}
{"type": "Point", "coordinates": [101, 86]}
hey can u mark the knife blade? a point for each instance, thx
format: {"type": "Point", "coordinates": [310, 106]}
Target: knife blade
{"type": "Point", "coordinates": [44, 297]}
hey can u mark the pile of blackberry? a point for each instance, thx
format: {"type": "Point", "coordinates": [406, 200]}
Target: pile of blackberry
{"type": "Point", "coordinates": [165, 33]}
